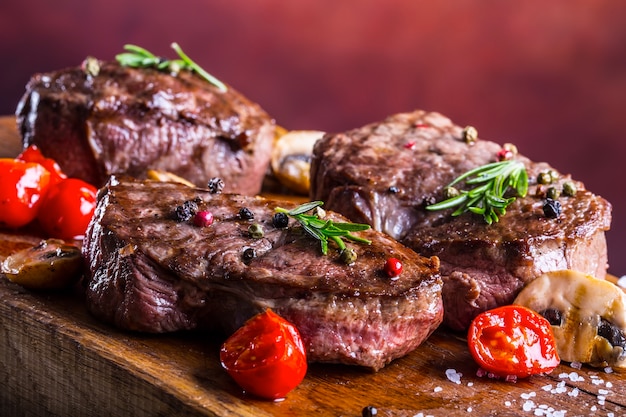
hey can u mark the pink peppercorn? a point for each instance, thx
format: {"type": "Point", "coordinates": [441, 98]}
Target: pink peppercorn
{"type": "Point", "coordinates": [203, 218]}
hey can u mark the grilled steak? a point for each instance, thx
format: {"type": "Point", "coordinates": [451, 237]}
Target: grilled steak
{"type": "Point", "coordinates": [127, 120]}
{"type": "Point", "coordinates": [386, 173]}
{"type": "Point", "coordinates": [153, 272]}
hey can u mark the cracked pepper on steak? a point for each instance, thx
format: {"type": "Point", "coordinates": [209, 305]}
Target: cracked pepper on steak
{"type": "Point", "coordinates": [148, 271]}
{"type": "Point", "coordinates": [386, 173]}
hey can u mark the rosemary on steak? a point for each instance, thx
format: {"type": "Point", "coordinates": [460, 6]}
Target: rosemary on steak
{"type": "Point", "coordinates": [325, 230]}
{"type": "Point", "coordinates": [138, 57]}
{"type": "Point", "coordinates": [490, 183]}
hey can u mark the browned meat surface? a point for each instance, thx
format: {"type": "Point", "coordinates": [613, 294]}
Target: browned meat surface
{"type": "Point", "coordinates": [127, 120]}
{"type": "Point", "coordinates": [150, 272]}
{"type": "Point", "coordinates": [386, 173]}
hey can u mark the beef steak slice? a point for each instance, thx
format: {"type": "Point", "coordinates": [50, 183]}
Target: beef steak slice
{"type": "Point", "coordinates": [128, 120]}
{"type": "Point", "coordinates": [153, 273]}
{"type": "Point", "coordinates": [386, 173]}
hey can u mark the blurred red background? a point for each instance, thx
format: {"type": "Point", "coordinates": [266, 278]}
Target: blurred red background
{"type": "Point", "coordinates": [547, 76]}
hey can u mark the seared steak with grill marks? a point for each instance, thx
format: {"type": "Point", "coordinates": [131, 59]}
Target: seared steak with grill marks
{"type": "Point", "coordinates": [386, 173]}
{"type": "Point", "coordinates": [151, 271]}
{"type": "Point", "coordinates": [128, 120]}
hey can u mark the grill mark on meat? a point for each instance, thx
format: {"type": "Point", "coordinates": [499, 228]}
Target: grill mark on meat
{"type": "Point", "coordinates": [128, 120]}
{"type": "Point", "coordinates": [482, 266]}
{"type": "Point", "coordinates": [148, 272]}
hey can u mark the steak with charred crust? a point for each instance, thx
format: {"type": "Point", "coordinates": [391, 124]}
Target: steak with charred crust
{"type": "Point", "coordinates": [153, 271]}
{"type": "Point", "coordinates": [386, 173]}
{"type": "Point", "coordinates": [127, 120]}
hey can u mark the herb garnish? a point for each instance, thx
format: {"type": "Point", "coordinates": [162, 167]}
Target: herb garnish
{"type": "Point", "coordinates": [487, 199]}
{"type": "Point", "coordinates": [139, 57]}
{"type": "Point", "coordinates": [323, 230]}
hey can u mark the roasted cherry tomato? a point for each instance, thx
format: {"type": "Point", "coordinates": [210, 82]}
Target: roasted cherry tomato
{"type": "Point", "coordinates": [512, 341]}
{"type": "Point", "coordinates": [33, 154]}
{"type": "Point", "coordinates": [265, 356]}
{"type": "Point", "coordinates": [67, 208]}
{"type": "Point", "coordinates": [22, 187]}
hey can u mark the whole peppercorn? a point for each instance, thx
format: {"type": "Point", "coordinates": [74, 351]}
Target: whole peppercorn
{"type": "Point", "coordinates": [393, 267]}
{"type": "Point", "coordinates": [246, 214]}
{"type": "Point", "coordinates": [280, 220]}
{"type": "Point", "coordinates": [569, 188]}
{"type": "Point", "coordinates": [450, 192]}
{"type": "Point", "coordinates": [185, 211]}
{"type": "Point", "coordinates": [256, 231]}
{"type": "Point", "coordinates": [348, 256]}
{"type": "Point", "coordinates": [553, 193]}
{"type": "Point", "coordinates": [203, 218]}
{"type": "Point", "coordinates": [248, 254]}
{"type": "Point", "coordinates": [369, 411]}
{"type": "Point", "coordinates": [215, 185]}
{"type": "Point", "coordinates": [551, 208]}
{"type": "Point", "coordinates": [470, 134]}
{"type": "Point", "coordinates": [544, 177]}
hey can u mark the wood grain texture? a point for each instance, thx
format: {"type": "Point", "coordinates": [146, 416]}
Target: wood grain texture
{"type": "Point", "coordinates": [58, 360]}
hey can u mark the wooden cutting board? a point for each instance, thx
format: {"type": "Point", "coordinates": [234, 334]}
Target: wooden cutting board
{"type": "Point", "coordinates": [56, 359]}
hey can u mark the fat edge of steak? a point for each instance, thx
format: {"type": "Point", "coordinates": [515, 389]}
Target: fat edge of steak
{"type": "Point", "coordinates": [386, 173]}
{"type": "Point", "coordinates": [149, 272]}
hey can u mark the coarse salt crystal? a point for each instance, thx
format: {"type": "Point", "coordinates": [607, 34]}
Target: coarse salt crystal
{"type": "Point", "coordinates": [603, 391]}
{"type": "Point", "coordinates": [507, 403]}
{"type": "Point", "coordinates": [608, 370]}
{"type": "Point", "coordinates": [453, 376]}
{"type": "Point", "coordinates": [576, 365]}
{"type": "Point", "coordinates": [528, 405]}
{"type": "Point", "coordinates": [547, 387]}
{"type": "Point", "coordinates": [528, 395]}
{"type": "Point", "coordinates": [573, 393]}
{"type": "Point", "coordinates": [609, 384]}
{"type": "Point", "coordinates": [438, 389]}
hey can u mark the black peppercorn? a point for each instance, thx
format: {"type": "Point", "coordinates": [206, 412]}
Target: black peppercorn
{"type": "Point", "coordinates": [246, 214]}
{"type": "Point", "coordinates": [369, 411]}
{"type": "Point", "coordinates": [185, 211]}
{"type": "Point", "coordinates": [280, 220]}
{"type": "Point", "coordinates": [551, 208]}
{"type": "Point", "coordinates": [248, 254]}
{"type": "Point", "coordinates": [215, 185]}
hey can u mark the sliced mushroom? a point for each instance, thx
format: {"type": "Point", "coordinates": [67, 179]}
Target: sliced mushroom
{"type": "Point", "coordinates": [588, 316]}
{"type": "Point", "coordinates": [291, 158]}
{"type": "Point", "coordinates": [52, 264]}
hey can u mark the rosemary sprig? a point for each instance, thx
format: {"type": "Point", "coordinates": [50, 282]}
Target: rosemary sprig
{"type": "Point", "coordinates": [325, 230]}
{"type": "Point", "coordinates": [138, 57]}
{"type": "Point", "coordinates": [488, 198]}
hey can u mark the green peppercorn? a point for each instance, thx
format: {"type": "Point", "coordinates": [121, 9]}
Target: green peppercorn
{"type": "Point", "coordinates": [554, 175]}
{"type": "Point", "coordinates": [553, 193]}
{"type": "Point", "coordinates": [470, 134]}
{"type": "Point", "coordinates": [91, 66]}
{"type": "Point", "coordinates": [256, 231]}
{"type": "Point", "coordinates": [450, 192]}
{"type": "Point", "coordinates": [544, 177]}
{"type": "Point", "coordinates": [569, 188]}
{"type": "Point", "coordinates": [348, 256]}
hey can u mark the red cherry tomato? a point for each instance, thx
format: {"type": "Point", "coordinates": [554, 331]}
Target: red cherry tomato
{"type": "Point", "coordinates": [265, 356]}
{"type": "Point", "coordinates": [512, 341]}
{"type": "Point", "coordinates": [67, 208]}
{"type": "Point", "coordinates": [22, 186]}
{"type": "Point", "coordinates": [33, 154]}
